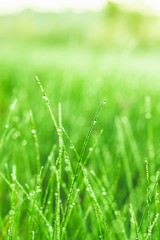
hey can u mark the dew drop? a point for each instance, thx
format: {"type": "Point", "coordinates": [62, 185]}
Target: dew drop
{"type": "Point", "coordinates": [12, 212]}
{"type": "Point", "coordinates": [12, 106]}
{"type": "Point", "coordinates": [39, 189]}
{"type": "Point", "coordinates": [45, 97]}
{"type": "Point", "coordinates": [16, 135]}
{"type": "Point", "coordinates": [33, 131]}
{"type": "Point", "coordinates": [24, 142]}
{"type": "Point", "coordinates": [27, 186]}
{"type": "Point", "coordinates": [92, 195]}
{"type": "Point", "coordinates": [90, 149]}
{"type": "Point", "coordinates": [63, 185]}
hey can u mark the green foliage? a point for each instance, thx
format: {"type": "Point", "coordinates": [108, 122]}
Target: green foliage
{"type": "Point", "coordinates": [55, 182]}
{"type": "Point", "coordinates": [123, 25]}
{"type": "Point", "coordinates": [67, 172]}
{"type": "Point", "coordinates": [114, 27]}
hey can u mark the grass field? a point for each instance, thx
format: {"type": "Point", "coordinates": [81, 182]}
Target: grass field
{"type": "Point", "coordinates": [79, 144]}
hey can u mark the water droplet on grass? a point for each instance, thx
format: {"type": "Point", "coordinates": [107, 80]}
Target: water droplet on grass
{"type": "Point", "coordinates": [12, 212]}
{"type": "Point", "coordinates": [27, 186]}
{"type": "Point", "coordinates": [39, 189]}
{"type": "Point", "coordinates": [94, 122]}
{"type": "Point", "coordinates": [63, 185]}
{"type": "Point", "coordinates": [45, 97]}
{"type": "Point", "coordinates": [33, 131]}
{"type": "Point", "coordinates": [92, 195]}
{"type": "Point", "coordinates": [12, 106]}
{"type": "Point", "coordinates": [16, 135]}
{"type": "Point", "coordinates": [24, 143]}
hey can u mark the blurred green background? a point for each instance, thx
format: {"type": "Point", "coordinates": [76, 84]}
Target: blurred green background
{"type": "Point", "coordinates": [81, 59]}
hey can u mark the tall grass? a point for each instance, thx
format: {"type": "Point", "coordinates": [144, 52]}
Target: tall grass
{"type": "Point", "coordinates": [69, 172]}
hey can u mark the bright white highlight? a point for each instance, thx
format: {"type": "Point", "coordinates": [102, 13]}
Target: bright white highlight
{"type": "Point", "coordinates": [11, 6]}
